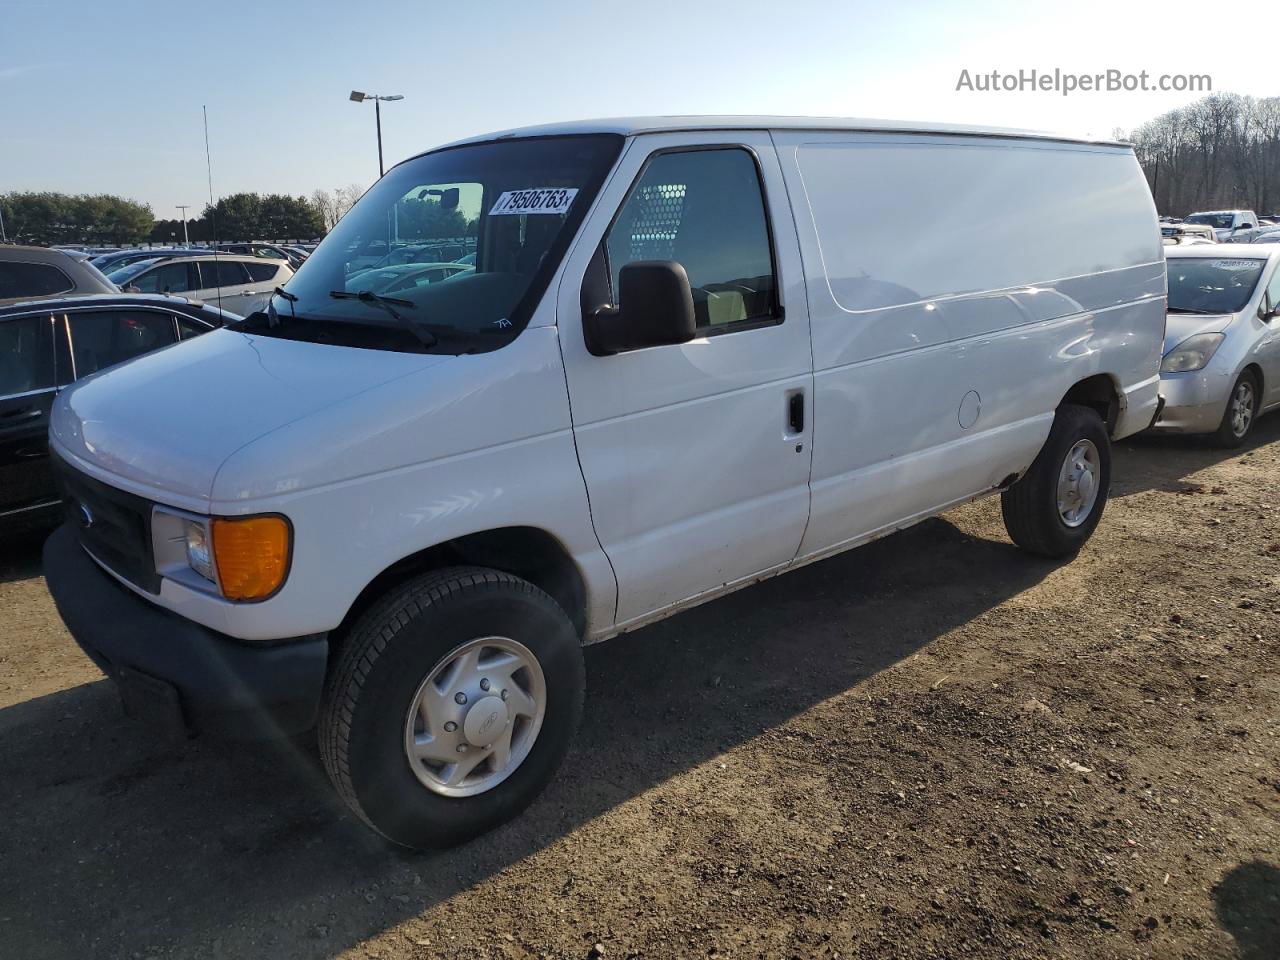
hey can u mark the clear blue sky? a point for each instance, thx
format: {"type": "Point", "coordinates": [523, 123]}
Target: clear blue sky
{"type": "Point", "coordinates": [105, 96]}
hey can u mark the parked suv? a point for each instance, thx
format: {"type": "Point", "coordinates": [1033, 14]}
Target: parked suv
{"type": "Point", "coordinates": [30, 273]}
{"type": "Point", "coordinates": [268, 251]}
{"type": "Point", "coordinates": [47, 344]}
{"type": "Point", "coordinates": [239, 284]}
{"type": "Point", "coordinates": [691, 354]}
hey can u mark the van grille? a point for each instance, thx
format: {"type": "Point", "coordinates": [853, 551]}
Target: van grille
{"type": "Point", "coordinates": [114, 526]}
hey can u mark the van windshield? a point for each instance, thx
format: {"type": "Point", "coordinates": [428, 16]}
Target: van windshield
{"type": "Point", "coordinates": [1218, 285]}
{"type": "Point", "coordinates": [458, 245]}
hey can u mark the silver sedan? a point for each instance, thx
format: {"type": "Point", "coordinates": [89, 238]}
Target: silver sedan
{"type": "Point", "coordinates": [1221, 367]}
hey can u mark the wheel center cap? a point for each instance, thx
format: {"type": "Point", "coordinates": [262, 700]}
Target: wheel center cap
{"type": "Point", "coordinates": [1085, 485]}
{"type": "Point", "coordinates": [485, 721]}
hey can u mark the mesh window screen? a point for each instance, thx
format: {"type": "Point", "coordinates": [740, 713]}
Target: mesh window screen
{"type": "Point", "coordinates": [659, 209]}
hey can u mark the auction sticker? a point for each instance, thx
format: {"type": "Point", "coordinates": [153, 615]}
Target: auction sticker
{"type": "Point", "coordinates": [545, 200]}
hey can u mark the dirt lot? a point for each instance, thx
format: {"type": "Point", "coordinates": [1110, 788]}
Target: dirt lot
{"type": "Point", "coordinates": [931, 747]}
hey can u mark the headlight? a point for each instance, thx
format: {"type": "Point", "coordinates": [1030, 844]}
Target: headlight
{"type": "Point", "coordinates": [199, 554]}
{"type": "Point", "coordinates": [242, 558]}
{"type": "Point", "coordinates": [1192, 353]}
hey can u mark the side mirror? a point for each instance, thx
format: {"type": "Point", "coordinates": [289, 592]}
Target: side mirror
{"type": "Point", "coordinates": [448, 197]}
{"type": "Point", "coordinates": [655, 308]}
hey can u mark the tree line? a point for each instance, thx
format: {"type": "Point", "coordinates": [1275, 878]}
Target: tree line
{"type": "Point", "coordinates": [45, 218]}
{"type": "Point", "coordinates": [1221, 152]}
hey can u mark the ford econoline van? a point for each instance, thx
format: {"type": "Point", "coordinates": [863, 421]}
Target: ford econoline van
{"type": "Point", "coordinates": [692, 353]}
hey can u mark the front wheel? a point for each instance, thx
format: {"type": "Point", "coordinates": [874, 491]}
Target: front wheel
{"type": "Point", "coordinates": [452, 706]}
{"type": "Point", "coordinates": [1055, 506]}
{"type": "Point", "coordinates": [1242, 408]}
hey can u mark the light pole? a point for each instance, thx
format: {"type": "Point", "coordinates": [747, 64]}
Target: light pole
{"type": "Point", "coordinates": [359, 97]}
{"type": "Point", "coordinates": [186, 242]}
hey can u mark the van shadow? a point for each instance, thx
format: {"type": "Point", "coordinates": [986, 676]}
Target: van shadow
{"type": "Point", "coordinates": [1165, 462]}
{"type": "Point", "coordinates": [1247, 903]}
{"type": "Point", "coordinates": [116, 845]}
{"type": "Point", "coordinates": [20, 555]}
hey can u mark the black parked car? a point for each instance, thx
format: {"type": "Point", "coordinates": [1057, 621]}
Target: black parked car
{"type": "Point", "coordinates": [47, 344]}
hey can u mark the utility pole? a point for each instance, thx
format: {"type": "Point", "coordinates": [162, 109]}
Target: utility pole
{"type": "Point", "coordinates": [186, 242]}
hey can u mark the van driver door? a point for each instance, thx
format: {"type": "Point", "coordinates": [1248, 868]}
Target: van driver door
{"type": "Point", "coordinates": [696, 455]}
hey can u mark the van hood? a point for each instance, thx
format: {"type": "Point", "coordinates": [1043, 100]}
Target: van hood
{"type": "Point", "coordinates": [1179, 326]}
{"type": "Point", "coordinates": [169, 420]}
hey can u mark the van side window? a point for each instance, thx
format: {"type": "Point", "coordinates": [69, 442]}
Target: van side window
{"type": "Point", "coordinates": [705, 210]}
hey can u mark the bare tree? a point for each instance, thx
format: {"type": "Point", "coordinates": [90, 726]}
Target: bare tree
{"type": "Point", "coordinates": [334, 204]}
{"type": "Point", "coordinates": [324, 202]}
{"type": "Point", "coordinates": [346, 197]}
{"type": "Point", "coordinates": [1221, 151]}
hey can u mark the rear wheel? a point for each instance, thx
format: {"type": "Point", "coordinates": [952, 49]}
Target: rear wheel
{"type": "Point", "coordinates": [1242, 408]}
{"type": "Point", "coordinates": [1056, 505]}
{"type": "Point", "coordinates": [452, 706]}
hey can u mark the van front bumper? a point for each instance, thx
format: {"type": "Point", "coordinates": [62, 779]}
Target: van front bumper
{"type": "Point", "coordinates": [178, 672]}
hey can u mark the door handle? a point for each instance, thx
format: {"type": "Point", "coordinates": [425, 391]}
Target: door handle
{"type": "Point", "coordinates": [795, 412]}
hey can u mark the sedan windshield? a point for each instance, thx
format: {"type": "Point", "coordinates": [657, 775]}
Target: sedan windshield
{"type": "Point", "coordinates": [508, 207]}
{"type": "Point", "coordinates": [1220, 221]}
{"type": "Point", "coordinates": [1204, 285]}
{"type": "Point", "coordinates": [122, 275]}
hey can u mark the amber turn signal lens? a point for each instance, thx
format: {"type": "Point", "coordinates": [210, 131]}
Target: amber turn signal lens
{"type": "Point", "coordinates": [252, 556]}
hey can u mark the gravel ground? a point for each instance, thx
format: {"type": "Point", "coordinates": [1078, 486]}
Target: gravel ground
{"type": "Point", "coordinates": [933, 746]}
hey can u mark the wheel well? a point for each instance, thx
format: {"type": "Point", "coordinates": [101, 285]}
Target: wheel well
{"type": "Point", "coordinates": [526, 552]}
{"type": "Point", "coordinates": [1098, 392]}
{"type": "Point", "coordinates": [1257, 376]}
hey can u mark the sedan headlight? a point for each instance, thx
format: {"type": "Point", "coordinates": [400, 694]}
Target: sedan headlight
{"type": "Point", "coordinates": [1192, 353]}
{"type": "Point", "coordinates": [242, 558]}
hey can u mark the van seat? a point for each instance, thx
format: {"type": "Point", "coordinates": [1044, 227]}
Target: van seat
{"type": "Point", "coordinates": [725, 306]}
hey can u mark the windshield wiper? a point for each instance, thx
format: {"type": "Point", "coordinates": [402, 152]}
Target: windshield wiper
{"type": "Point", "coordinates": [1209, 313]}
{"type": "Point", "coordinates": [389, 304]}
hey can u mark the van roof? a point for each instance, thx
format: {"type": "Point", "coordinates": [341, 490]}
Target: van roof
{"type": "Point", "coordinates": [628, 126]}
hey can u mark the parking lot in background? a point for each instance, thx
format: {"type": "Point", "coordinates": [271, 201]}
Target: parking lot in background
{"type": "Point", "coordinates": [932, 746]}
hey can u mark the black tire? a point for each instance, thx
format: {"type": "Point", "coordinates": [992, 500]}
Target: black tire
{"type": "Point", "coordinates": [1226, 435]}
{"type": "Point", "coordinates": [391, 649]}
{"type": "Point", "coordinates": [1030, 506]}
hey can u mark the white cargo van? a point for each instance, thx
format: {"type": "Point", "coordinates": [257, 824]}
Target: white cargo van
{"type": "Point", "coordinates": [693, 353]}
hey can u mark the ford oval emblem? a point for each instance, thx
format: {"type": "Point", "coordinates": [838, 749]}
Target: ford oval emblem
{"type": "Point", "coordinates": [86, 516]}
